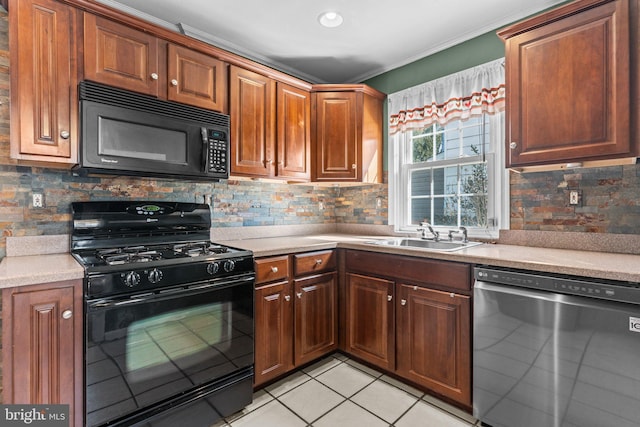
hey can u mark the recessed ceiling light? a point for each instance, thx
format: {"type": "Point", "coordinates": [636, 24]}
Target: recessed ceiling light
{"type": "Point", "coordinates": [330, 19]}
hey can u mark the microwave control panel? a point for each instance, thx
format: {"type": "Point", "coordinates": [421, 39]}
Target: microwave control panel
{"type": "Point", "coordinates": [218, 153]}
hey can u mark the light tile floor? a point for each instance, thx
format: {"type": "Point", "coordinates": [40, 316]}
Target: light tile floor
{"type": "Point", "coordinates": [338, 391]}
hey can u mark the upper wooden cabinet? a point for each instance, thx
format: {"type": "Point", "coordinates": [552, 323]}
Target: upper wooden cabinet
{"type": "Point", "coordinates": [270, 127]}
{"type": "Point", "coordinates": [121, 56]}
{"type": "Point", "coordinates": [293, 132]}
{"type": "Point", "coordinates": [347, 133]}
{"type": "Point", "coordinates": [569, 84]}
{"type": "Point", "coordinates": [44, 128]}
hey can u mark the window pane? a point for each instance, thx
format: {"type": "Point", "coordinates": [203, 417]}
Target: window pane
{"type": "Point", "coordinates": [445, 211]}
{"type": "Point", "coordinates": [452, 142]}
{"type": "Point", "coordinates": [473, 201]}
{"type": "Point", "coordinates": [420, 210]}
{"type": "Point", "coordinates": [438, 181]}
{"type": "Point", "coordinates": [421, 182]}
{"type": "Point", "coordinates": [473, 211]}
{"type": "Point", "coordinates": [451, 180]}
{"type": "Point", "coordinates": [422, 148]}
{"type": "Point", "coordinates": [427, 143]}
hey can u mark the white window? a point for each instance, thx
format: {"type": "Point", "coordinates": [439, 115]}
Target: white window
{"type": "Point", "coordinates": [450, 176]}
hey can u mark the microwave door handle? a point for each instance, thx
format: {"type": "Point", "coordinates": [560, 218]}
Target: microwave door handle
{"type": "Point", "coordinates": [205, 149]}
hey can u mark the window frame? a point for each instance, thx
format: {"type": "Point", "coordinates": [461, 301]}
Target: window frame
{"type": "Point", "coordinates": [399, 151]}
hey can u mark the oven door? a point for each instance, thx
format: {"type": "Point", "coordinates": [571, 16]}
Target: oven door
{"type": "Point", "coordinates": [142, 350]}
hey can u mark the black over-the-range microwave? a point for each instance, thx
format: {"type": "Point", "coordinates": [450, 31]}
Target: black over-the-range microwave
{"type": "Point", "coordinates": [126, 133]}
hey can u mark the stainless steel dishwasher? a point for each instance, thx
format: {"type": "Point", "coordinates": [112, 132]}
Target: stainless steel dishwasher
{"type": "Point", "coordinates": [551, 350]}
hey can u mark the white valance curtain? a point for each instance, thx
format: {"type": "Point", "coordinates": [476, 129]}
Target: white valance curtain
{"type": "Point", "coordinates": [471, 92]}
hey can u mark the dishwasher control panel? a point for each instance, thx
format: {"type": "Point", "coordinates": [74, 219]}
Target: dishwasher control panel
{"type": "Point", "coordinates": [572, 285]}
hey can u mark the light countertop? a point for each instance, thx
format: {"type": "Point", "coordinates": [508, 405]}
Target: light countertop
{"type": "Point", "coordinates": [602, 265]}
{"type": "Point", "coordinates": [36, 269]}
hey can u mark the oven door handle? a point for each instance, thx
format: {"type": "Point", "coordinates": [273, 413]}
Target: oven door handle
{"type": "Point", "coordinates": [120, 303]}
{"type": "Point", "coordinates": [225, 283]}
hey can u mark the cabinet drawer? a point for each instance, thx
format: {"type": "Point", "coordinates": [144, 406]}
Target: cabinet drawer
{"type": "Point", "coordinates": [446, 275]}
{"type": "Point", "coordinates": [314, 262]}
{"type": "Point", "coordinates": [273, 268]}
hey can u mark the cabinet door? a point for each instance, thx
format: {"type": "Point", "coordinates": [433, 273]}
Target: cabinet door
{"type": "Point", "coordinates": [252, 109]}
{"type": "Point", "coordinates": [120, 56]}
{"type": "Point", "coordinates": [43, 81]}
{"type": "Point", "coordinates": [434, 340]}
{"type": "Point", "coordinates": [568, 85]}
{"type": "Point", "coordinates": [337, 136]}
{"type": "Point", "coordinates": [293, 133]}
{"type": "Point", "coordinates": [196, 79]}
{"type": "Point", "coordinates": [370, 320]}
{"type": "Point", "coordinates": [316, 317]}
{"type": "Point", "coordinates": [43, 361]}
{"type": "Point", "coordinates": [273, 331]}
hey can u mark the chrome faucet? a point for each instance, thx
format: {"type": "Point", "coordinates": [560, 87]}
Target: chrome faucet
{"type": "Point", "coordinates": [462, 230]}
{"type": "Point", "coordinates": [424, 227]}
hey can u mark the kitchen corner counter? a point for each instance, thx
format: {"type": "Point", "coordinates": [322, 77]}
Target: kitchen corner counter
{"type": "Point", "coordinates": [37, 269]}
{"type": "Point", "coordinates": [601, 265]}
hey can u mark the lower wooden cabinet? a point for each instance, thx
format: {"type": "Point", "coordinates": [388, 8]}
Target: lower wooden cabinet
{"type": "Point", "coordinates": [370, 320]}
{"type": "Point", "coordinates": [433, 340]}
{"type": "Point", "coordinates": [273, 332]}
{"type": "Point", "coordinates": [412, 317]}
{"type": "Point", "coordinates": [296, 312]}
{"type": "Point", "coordinates": [316, 317]}
{"type": "Point", "coordinates": [42, 346]}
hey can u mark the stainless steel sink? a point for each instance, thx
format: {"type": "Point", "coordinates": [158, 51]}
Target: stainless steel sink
{"type": "Point", "coordinates": [442, 245]}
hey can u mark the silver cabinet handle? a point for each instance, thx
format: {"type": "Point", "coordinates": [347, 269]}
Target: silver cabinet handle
{"type": "Point", "coordinates": [67, 314]}
{"type": "Point", "coordinates": [389, 297]}
{"type": "Point", "coordinates": [353, 166]}
{"type": "Point", "coordinates": [287, 298]}
{"type": "Point", "coordinates": [154, 76]}
{"type": "Point", "coordinates": [299, 294]}
{"type": "Point", "coordinates": [318, 261]}
{"type": "Point", "coordinates": [65, 134]}
{"type": "Point", "coordinates": [174, 82]}
{"type": "Point", "coordinates": [513, 145]}
{"type": "Point", "coordinates": [403, 302]}
{"type": "Point", "coordinates": [274, 269]}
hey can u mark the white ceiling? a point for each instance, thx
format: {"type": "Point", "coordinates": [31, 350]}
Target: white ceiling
{"type": "Point", "coordinates": [376, 36]}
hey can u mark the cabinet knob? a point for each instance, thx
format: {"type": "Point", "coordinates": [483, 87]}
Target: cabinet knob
{"type": "Point", "coordinates": [318, 262]}
{"type": "Point", "coordinates": [154, 76]}
{"type": "Point", "coordinates": [513, 145]}
{"type": "Point", "coordinates": [353, 166]}
{"type": "Point", "coordinates": [287, 298]}
{"type": "Point", "coordinates": [64, 134]}
{"type": "Point", "coordinates": [67, 314]}
{"type": "Point", "coordinates": [389, 297]}
{"type": "Point", "coordinates": [403, 302]}
{"type": "Point", "coordinates": [274, 269]}
{"type": "Point", "coordinates": [174, 82]}
{"type": "Point", "coordinates": [452, 295]}
{"type": "Point", "coordinates": [299, 295]}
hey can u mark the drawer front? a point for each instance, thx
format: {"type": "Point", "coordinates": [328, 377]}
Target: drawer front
{"type": "Point", "coordinates": [314, 262]}
{"type": "Point", "coordinates": [271, 269]}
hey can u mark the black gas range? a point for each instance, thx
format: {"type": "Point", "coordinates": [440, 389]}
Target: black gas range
{"type": "Point", "coordinates": [168, 314]}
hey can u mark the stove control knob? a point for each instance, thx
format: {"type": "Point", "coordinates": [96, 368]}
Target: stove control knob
{"type": "Point", "coordinates": [155, 275]}
{"type": "Point", "coordinates": [229, 265]}
{"type": "Point", "coordinates": [213, 268]}
{"type": "Point", "coordinates": [132, 279]}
